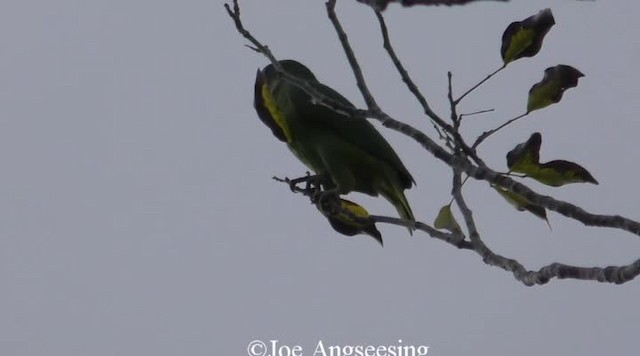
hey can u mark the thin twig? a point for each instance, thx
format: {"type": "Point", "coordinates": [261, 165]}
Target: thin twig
{"type": "Point", "coordinates": [413, 88]}
{"type": "Point", "coordinates": [457, 101]}
{"type": "Point", "coordinates": [455, 239]}
{"type": "Point", "coordinates": [452, 103]}
{"type": "Point", "coordinates": [486, 134]}
{"type": "Point", "coordinates": [355, 66]}
{"type": "Point", "coordinates": [513, 174]}
{"type": "Point", "coordinates": [461, 144]}
{"type": "Point", "coordinates": [477, 113]}
{"type": "Point", "coordinates": [235, 15]}
{"type": "Point", "coordinates": [453, 131]}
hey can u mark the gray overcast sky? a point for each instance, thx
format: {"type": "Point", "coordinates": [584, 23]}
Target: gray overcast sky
{"type": "Point", "coordinates": [138, 215]}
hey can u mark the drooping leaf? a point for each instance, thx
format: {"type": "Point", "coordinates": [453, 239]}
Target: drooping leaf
{"type": "Point", "coordinates": [345, 224]}
{"type": "Point", "coordinates": [445, 220]}
{"type": "Point", "coordinates": [525, 158]}
{"type": "Point", "coordinates": [522, 204]}
{"type": "Point", "coordinates": [558, 172]}
{"type": "Point", "coordinates": [550, 89]}
{"type": "Point", "coordinates": [524, 38]}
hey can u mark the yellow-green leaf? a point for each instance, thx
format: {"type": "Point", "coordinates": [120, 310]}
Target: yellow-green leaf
{"type": "Point", "coordinates": [550, 89]}
{"type": "Point", "coordinates": [525, 158]}
{"type": "Point", "coordinates": [559, 172]}
{"type": "Point", "coordinates": [343, 223]}
{"type": "Point", "coordinates": [445, 220]}
{"type": "Point", "coordinates": [522, 204]}
{"type": "Point", "coordinates": [524, 38]}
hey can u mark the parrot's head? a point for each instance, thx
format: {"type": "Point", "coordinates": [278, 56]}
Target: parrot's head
{"type": "Point", "coordinates": [271, 87]}
{"type": "Point", "coordinates": [272, 78]}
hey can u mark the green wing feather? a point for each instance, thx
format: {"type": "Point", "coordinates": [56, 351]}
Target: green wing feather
{"type": "Point", "coordinates": [357, 131]}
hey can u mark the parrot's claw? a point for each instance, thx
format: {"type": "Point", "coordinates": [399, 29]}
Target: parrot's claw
{"type": "Point", "coordinates": [293, 183]}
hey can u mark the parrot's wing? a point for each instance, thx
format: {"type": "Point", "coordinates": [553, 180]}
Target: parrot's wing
{"type": "Point", "coordinates": [357, 131]}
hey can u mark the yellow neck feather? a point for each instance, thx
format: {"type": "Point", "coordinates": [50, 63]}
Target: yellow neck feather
{"type": "Point", "coordinates": [276, 114]}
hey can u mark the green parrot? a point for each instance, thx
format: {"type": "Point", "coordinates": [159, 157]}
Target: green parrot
{"type": "Point", "coordinates": [348, 150]}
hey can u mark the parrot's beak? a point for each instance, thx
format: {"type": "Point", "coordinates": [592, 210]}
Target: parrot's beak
{"type": "Point", "coordinates": [259, 77]}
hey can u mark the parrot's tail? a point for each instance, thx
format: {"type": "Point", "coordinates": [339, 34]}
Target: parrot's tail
{"type": "Point", "coordinates": [399, 201]}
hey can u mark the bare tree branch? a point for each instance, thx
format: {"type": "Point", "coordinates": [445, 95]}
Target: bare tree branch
{"type": "Point", "coordinates": [459, 163]}
{"type": "Point", "coordinates": [480, 173]}
{"type": "Point", "coordinates": [484, 173]}
{"type": "Point", "coordinates": [610, 274]}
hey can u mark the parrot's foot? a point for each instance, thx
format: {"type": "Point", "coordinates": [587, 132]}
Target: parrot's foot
{"type": "Point", "coordinates": [312, 184]}
{"type": "Point", "coordinates": [308, 178]}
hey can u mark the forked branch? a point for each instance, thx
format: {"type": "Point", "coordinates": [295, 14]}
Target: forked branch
{"type": "Point", "coordinates": [459, 162]}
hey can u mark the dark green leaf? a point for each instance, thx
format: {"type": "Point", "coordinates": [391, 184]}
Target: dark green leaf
{"type": "Point", "coordinates": [559, 172]}
{"type": "Point", "coordinates": [524, 38]}
{"type": "Point", "coordinates": [345, 224]}
{"type": "Point", "coordinates": [550, 89]}
{"type": "Point", "coordinates": [525, 158]}
{"type": "Point", "coordinates": [526, 155]}
{"type": "Point", "coordinates": [522, 204]}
